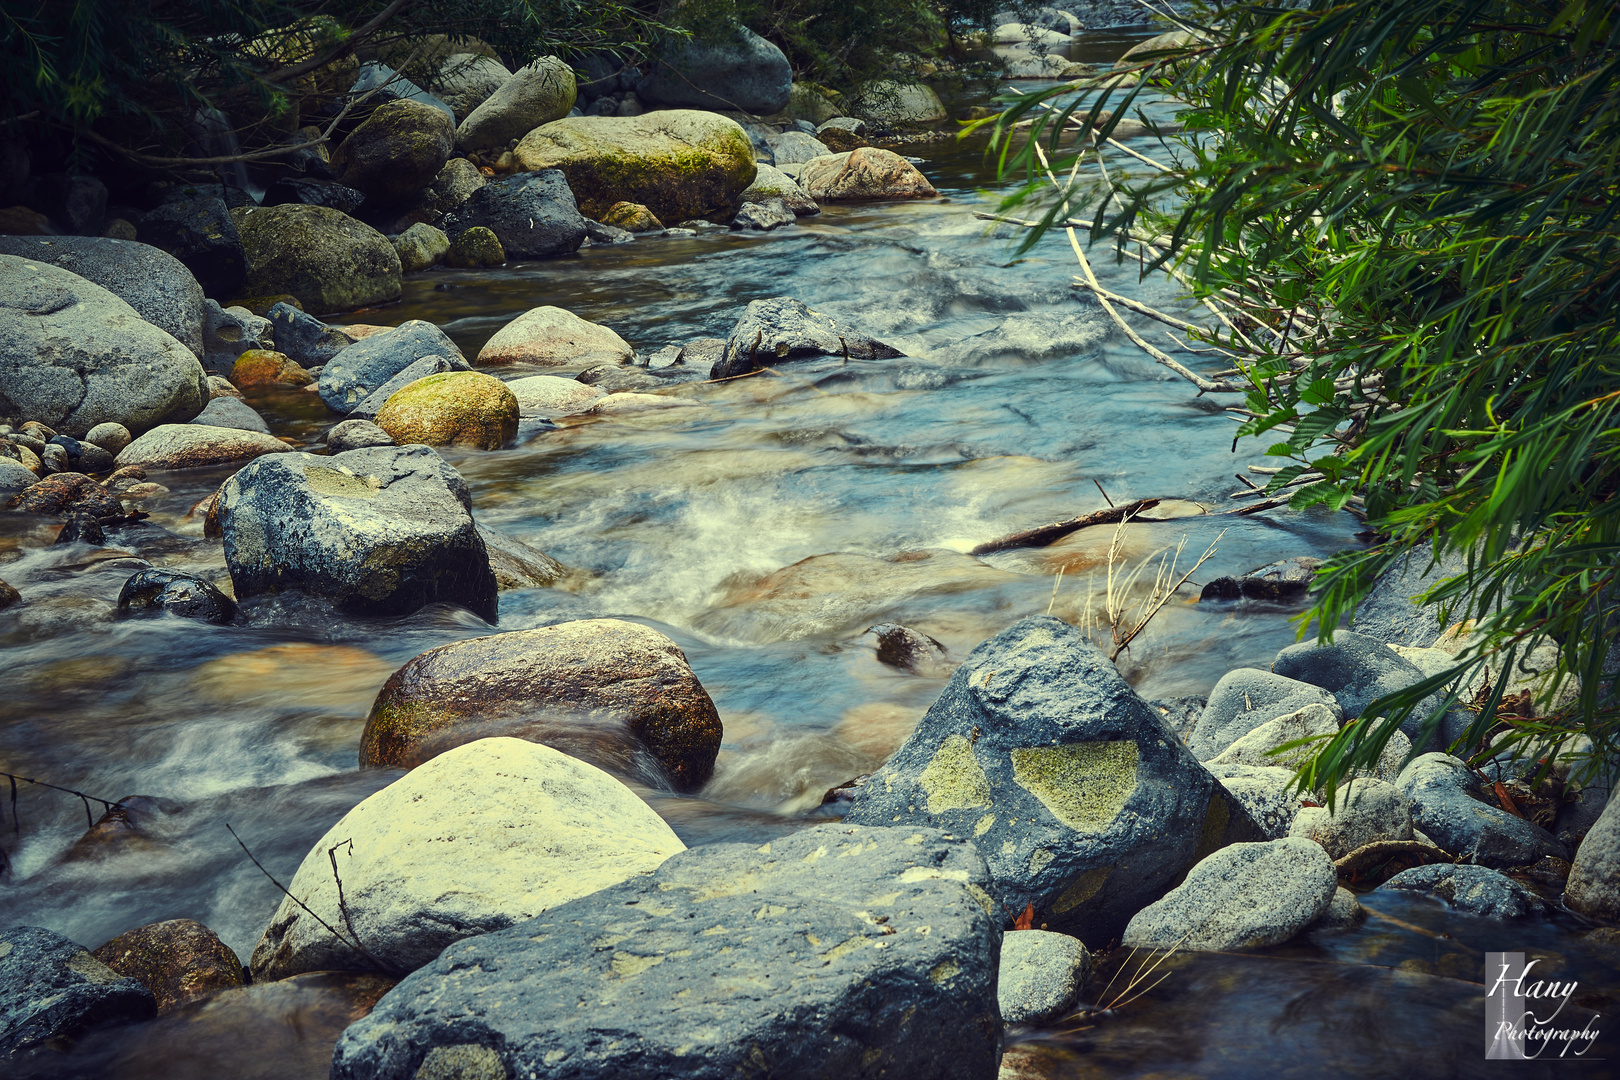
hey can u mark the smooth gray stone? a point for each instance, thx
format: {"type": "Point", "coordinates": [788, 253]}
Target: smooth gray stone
{"type": "Point", "coordinates": [354, 435]}
{"type": "Point", "coordinates": [1594, 877]}
{"type": "Point", "coordinates": [1041, 975]}
{"type": "Point", "coordinates": [1477, 890]}
{"type": "Point", "coordinates": [52, 990]}
{"type": "Point", "coordinates": [374, 401]}
{"type": "Point", "coordinates": [1387, 612]}
{"type": "Point", "coordinates": [232, 413]}
{"type": "Point", "coordinates": [230, 332]}
{"type": "Point", "coordinates": [355, 373]}
{"type": "Point", "coordinates": [743, 72]}
{"type": "Point", "coordinates": [1244, 699]}
{"type": "Point", "coordinates": [834, 952]}
{"type": "Point", "coordinates": [1449, 805]}
{"type": "Point", "coordinates": [1356, 670]}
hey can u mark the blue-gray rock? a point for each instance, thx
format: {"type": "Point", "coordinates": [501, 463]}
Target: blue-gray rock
{"type": "Point", "coordinates": [390, 85]}
{"type": "Point", "coordinates": [1041, 975]}
{"type": "Point", "coordinates": [1244, 699]}
{"type": "Point", "coordinates": [780, 329]}
{"type": "Point", "coordinates": [763, 216]}
{"type": "Point", "coordinates": [1356, 670]}
{"type": "Point", "coordinates": [378, 531]}
{"type": "Point", "coordinates": [304, 338]}
{"type": "Point", "coordinates": [1477, 890]}
{"type": "Point", "coordinates": [795, 147]}
{"type": "Point", "coordinates": [311, 191]}
{"type": "Point", "coordinates": [737, 71]}
{"type": "Point", "coordinates": [52, 990]}
{"type": "Point", "coordinates": [230, 332]}
{"type": "Point", "coordinates": [153, 282]}
{"type": "Point", "coordinates": [1594, 876]}
{"type": "Point", "coordinates": [175, 592]}
{"type": "Point", "coordinates": [1387, 612]}
{"type": "Point", "coordinates": [1449, 806]}
{"type": "Point", "coordinates": [200, 233]}
{"type": "Point", "coordinates": [374, 401]}
{"type": "Point", "coordinates": [1267, 793]}
{"type": "Point", "coordinates": [533, 215]}
{"type": "Point", "coordinates": [229, 412]}
{"type": "Point", "coordinates": [73, 355]}
{"type": "Point", "coordinates": [834, 952]}
{"type": "Point", "coordinates": [1364, 812]}
{"type": "Point", "coordinates": [1086, 807]}
{"type": "Point", "coordinates": [354, 435]}
{"type": "Point", "coordinates": [1241, 897]}
{"type": "Point", "coordinates": [350, 376]}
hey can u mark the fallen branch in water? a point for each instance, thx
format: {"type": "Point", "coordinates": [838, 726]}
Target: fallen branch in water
{"type": "Point", "coordinates": [1044, 535]}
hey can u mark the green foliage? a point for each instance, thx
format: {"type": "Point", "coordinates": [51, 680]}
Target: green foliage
{"type": "Point", "coordinates": [1409, 207]}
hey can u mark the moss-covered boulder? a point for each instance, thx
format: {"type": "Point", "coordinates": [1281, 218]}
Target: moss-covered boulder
{"type": "Point", "coordinates": [679, 163]}
{"type": "Point", "coordinates": [616, 694]}
{"type": "Point", "coordinates": [324, 257]}
{"type": "Point", "coordinates": [475, 247]}
{"type": "Point", "coordinates": [397, 152]}
{"type": "Point", "coordinates": [420, 247]}
{"type": "Point", "coordinates": [632, 217]}
{"type": "Point", "coordinates": [178, 960]}
{"type": "Point", "coordinates": [1085, 805]}
{"type": "Point", "coordinates": [454, 408]}
{"type": "Point", "coordinates": [262, 367]}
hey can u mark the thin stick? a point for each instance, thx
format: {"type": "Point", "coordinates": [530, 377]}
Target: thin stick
{"type": "Point", "coordinates": [1101, 492]}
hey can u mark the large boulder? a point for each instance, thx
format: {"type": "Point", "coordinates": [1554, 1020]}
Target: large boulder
{"type": "Point", "coordinates": [1086, 806]}
{"type": "Point", "coordinates": [73, 355]}
{"type": "Point", "coordinates": [179, 960]}
{"type": "Point", "coordinates": [325, 258]}
{"type": "Point", "coordinates": [534, 216]}
{"type": "Point", "coordinates": [899, 104]}
{"type": "Point", "coordinates": [1477, 890]}
{"type": "Point", "coordinates": [732, 69]}
{"type": "Point", "coordinates": [773, 331]}
{"type": "Point", "coordinates": [1244, 699]}
{"type": "Point", "coordinates": [378, 531]}
{"type": "Point", "coordinates": [834, 952]}
{"type": "Point", "coordinates": [466, 80]}
{"type": "Point", "coordinates": [864, 174]}
{"type": "Point", "coordinates": [455, 408]}
{"type": "Point", "coordinates": [680, 164]}
{"type": "Point", "coordinates": [52, 990]}
{"type": "Point", "coordinates": [1594, 877]}
{"type": "Point", "coordinates": [1241, 897]}
{"type": "Point", "coordinates": [1450, 806]}
{"type": "Point", "coordinates": [397, 151]}
{"type": "Point", "coordinates": [482, 837]}
{"type": "Point", "coordinates": [355, 373]}
{"type": "Point", "coordinates": [153, 282]}
{"type": "Point", "coordinates": [201, 232]}
{"type": "Point", "coordinates": [534, 95]}
{"type": "Point", "coordinates": [193, 446]}
{"type": "Point", "coordinates": [612, 692]}
{"type": "Point", "coordinates": [554, 337]}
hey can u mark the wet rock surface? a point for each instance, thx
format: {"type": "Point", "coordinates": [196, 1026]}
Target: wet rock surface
{"type": "Point", "coordinates": [175, 592]}
{"type": "Point", "coordinates": [1478, 890]}
{"type": "Point", "coordinates": [802, 959]}
{"type": "Point", "coordinates": [178, 960]}
{"type": "Point", "coordinates": [782, 329]}
{"type": "Point", "coordinates": [52, 990]}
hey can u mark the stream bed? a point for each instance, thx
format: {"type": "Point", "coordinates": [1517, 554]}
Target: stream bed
{"type": "Point", "coordinates": [764, 533]}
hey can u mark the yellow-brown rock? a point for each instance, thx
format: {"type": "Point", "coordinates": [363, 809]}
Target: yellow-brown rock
{"type": "Point", "coordinates": [261, 367]}
{"type": "Point", "coordinates": [454, 408]}
{"type": "Point", "coordinates": [632, 217]}
{"type": "Point", "coordinates": [178, 960]}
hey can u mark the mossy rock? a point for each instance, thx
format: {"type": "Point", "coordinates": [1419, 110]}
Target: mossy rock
{"type": "Point", "coordinates": [678, 163]}
{"type": "Point", "coordinates": [258, 367]}
{"type": "Point", "coordinates": [324, 257]}
{"type": "Point", "coordinates": [632, 217]}
{"type": "Point", "coordinates": [397, 152]}
{"type": "Point", "coordinates": [454, 408]}
{"type": "Point", "coordinates": [474, 248]}
{"type": "Point", "coordinates": [421, 246]}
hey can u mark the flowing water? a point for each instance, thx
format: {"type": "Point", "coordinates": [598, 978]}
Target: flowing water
{"type": "Point", "coordinates": [764, 532]}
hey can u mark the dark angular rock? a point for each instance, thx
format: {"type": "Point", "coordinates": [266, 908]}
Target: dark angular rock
{"type": "Point", "coordinates": [63, 493]}
{"type": "Point", "coordinates": [1284, 581]}
{"type": "Point", "coordinates": [156, 591]}
{"type": "Point", "coordinates": [177, 960]}
{"type": "Point", "coordinates": [200, 233]}
{"type": "Point", "coordinates": [909, 650]}
{"type": "Point", "coordinates": [374, 401]}
{"type": "Point", "coordinates": [52, 990]}
{"type": "Point", "coordinates": [304, 338]}
{"type": "Point", "coordinates": [533, 215]}
{"type": "Point", "coordinates": [378, 531]}
{"type": "Point", "coordinates": [81, 528]}
{"type": "Point", "coordinates": [805, 958]}
{"type": "Point", "coordinates": [599, 233]}
{"type": "Point", "coordinates": [314, 192]}
{"type": "Point", "coordinates": [739, 70]}
{"type": "Point", "coordinates": [79, 203]}
{"type": "Point", "coordinates": [1451, 807]}
{"type": "Point", "coordinates": [353, 374]}
{"type": "Point", "coordinates": [1356, 670]}
{"type": "Point", "coordinates": [774, 331]}
{"type": "Point", "coordinates": [1088, 808]}
{"type": "Point", "coordinates": [763, 216]}
{"type": "Point", "coordinates": [1244, 699]}
{"type": "Point", "coordinates": [1477, 890]}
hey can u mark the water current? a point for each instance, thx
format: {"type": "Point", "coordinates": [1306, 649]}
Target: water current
{"type": "Point", "coordinates": [764, 532]}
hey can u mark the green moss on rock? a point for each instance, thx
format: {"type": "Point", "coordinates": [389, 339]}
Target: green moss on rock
{"type": "Point", "coordinates": [454, 408]}
{"type": "Point", "coordinates": [1084, 785]}
{"type": "Point", "coordinates": [324, 257]}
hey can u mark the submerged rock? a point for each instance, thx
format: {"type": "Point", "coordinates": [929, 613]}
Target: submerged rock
{"type": "Point", "coordinates": [910, 650]}
{"type": "Point", "coordinates": [175, 592]}
{"type": "Point", "coordinates": [614, 693]}
{"type": "Point", "coordinates": [377, 531]}
{"type": "Point", "coordinates": [73, 355]}
{"type": "Point", "coordinates": [1041, 975]}
{"type": "Point", "coordinates": [1241, 897]}
{"type": "Point", "coordinates": [482, 837]}
{"type": "Point", "coordinates": [763, 216]}
{"type": "Point", "coordinates": [1086, 807]}
{"type": "Point", "coordinates": [178, 960]}
{"type": "Point", "coordinates": [806, 958]}
{"type": "Point", "coordinates": [1477, 890]}
{"type": "Point", "coordinates": [780, 329]}
{"type": "Point", "coordinates": [52, 991]}
{"type": "Point", "coordinates": [1283, 581]}
{"type": "Point", "coordinates": [552, 396]}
